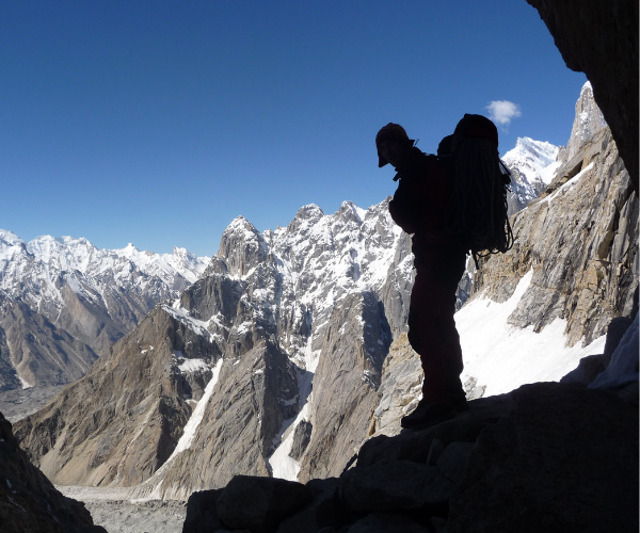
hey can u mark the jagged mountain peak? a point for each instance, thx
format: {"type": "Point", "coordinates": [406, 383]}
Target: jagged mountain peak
{"type": "Point", "coordinates": [241, 230]}
{"type": "Point", "coordinates": [309, 212]}
{"type": "Point", "coordinates": [588, 121]}
{"type": "Point", "coordinates": [181, 252]}
{"type": "Point", "coordinates": [129, 250]}
{"type": "Point", "coordinates": [542, 151]}
{"type": "Point", "coordinates": [307, 215]}
{"type": "Point", "coordinates": [348, 207]}
{"type": "Point", "coordinates": [242, 247]}
{"type": "Point", "coordinates": [240, 223]}
{"type": "Point", "coordinates": [350, 212]}
{"type": "Point", "coordinates": [68, 252]}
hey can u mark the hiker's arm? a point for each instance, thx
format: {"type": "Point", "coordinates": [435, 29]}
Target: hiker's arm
{"type": "Point", "coordinates": [402, 207]}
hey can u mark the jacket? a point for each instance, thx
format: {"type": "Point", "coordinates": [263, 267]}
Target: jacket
{"type": "Point", "coordinates": [419, 205]}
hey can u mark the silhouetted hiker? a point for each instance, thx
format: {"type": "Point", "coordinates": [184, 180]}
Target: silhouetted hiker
{"type": "Point", "coordinates": [425, 205]}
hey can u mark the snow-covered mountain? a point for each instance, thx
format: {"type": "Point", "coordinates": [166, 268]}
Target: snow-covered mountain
{"type": "Point", "coordinates": [242, 353]}
{"type": "Point", "coordinates": [63, 302]}
{"type": "Point", "coordinates": [30, 270]}
{"type": "Point", "coordinates": [533, 165]}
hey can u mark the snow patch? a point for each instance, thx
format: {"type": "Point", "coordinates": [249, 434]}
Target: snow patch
{"type": "Point", "coordinates": [190, 366]}
{"type": "Point", "coordinates": [23, 382]}
{"type": "Point", "coordinates": [503, 357]}
{"type": "Point", "coordinates": [190, 428]}
{"type": "Point", "coordinates": [182, 315]}
{"type": "Point", "coordinates": [282, 465]}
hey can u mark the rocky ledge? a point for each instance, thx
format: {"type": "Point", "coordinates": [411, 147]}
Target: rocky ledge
{"type": "Point", "coordinates": [545, 457]}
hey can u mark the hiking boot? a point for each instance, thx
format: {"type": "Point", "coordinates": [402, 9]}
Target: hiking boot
{"type": "Point", "coordinates": [428, 414]}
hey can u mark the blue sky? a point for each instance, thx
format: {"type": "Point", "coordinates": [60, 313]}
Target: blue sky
{"type": "Point", "coordinates": [158, 122]}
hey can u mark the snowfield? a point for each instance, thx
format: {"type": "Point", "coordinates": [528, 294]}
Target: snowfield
{"type": "Point", "coordinates": [503, 357]}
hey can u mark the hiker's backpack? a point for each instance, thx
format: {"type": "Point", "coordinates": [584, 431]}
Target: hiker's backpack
{"type": "Point", "coordinates": [478, 211]}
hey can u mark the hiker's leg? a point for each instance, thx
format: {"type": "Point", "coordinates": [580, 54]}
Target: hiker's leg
{"type": "Point", "coordinates": [432, 329]}
{"type": "Point", "coordinates": [433, 335]}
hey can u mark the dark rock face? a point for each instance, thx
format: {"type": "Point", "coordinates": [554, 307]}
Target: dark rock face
{"type": "Point", "coordinates": [338, 384]}
{"type": "Point", "coordinates": [549, 466]}
{"type": "Point", "coordinates": [254, 397]}
{"type": "Point", "coordinates": [601, 40]}
{"type": "Point", "coordinates": [242, 246]}
{"type": "Point", "coordinates": [28, 500]}
{"type": "Point", "coordinates": [301, 438]}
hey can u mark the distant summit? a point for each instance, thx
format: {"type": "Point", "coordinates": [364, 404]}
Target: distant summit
{"type": "Point", "coordinates": [533, 165]}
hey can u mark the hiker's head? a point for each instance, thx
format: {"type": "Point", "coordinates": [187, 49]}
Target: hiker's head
{"type": "Point", "coordinates": [392, 143]}
{"type": "Point", "coordinates": [477, 126]}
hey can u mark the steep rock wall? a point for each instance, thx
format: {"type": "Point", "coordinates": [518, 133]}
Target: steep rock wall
{"type": "Point", "coordinates": [601, 40]}
{"type": "Point", "coordinates": [580, 239]}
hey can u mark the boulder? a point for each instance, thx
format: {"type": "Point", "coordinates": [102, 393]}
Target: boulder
{"type": "Point", "coordinates": [564, 459]}
{"type": "Point", "coordinates": [259, 504]}
{"type": "Point", "coordinates": [394, 485]}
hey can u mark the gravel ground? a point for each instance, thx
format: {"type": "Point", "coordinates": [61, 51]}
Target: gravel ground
{"type": "Point", "coordinates": [145, 517]}
{"type": "Point", "coordinates": [20, 403]}
{"type": "Point", "coordinates": [112, 509]}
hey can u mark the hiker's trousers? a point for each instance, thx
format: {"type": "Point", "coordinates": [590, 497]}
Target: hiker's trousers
{"type": "Point", "coordinates": [432, 329]}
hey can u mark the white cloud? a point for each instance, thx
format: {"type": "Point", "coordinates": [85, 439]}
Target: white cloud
{"type": "Point", "coordinates": [503, 111]}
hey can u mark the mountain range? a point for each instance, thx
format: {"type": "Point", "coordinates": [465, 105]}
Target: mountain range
{"type": "Point", "coordinates": [288, 350]}
{"type": "Point", "coordinates": [64, 302]}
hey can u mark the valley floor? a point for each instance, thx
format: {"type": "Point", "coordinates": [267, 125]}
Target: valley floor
{"type": "Point", "coordinates": [111, 509]}
{"type": "Point", "coordinates": [20, 403]}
